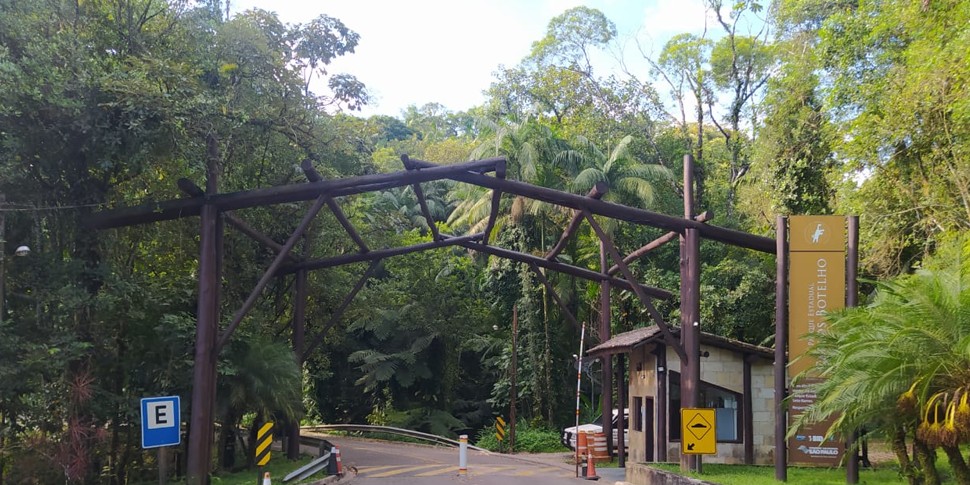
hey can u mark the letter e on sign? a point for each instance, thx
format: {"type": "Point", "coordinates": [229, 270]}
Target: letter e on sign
{"type": "Point", "coordinates": [160, 414]}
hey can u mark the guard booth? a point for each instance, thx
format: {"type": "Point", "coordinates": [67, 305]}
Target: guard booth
{"type": "Point", "coordinates": [736, 380]}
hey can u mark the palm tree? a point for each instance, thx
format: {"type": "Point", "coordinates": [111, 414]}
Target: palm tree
{"type": "Point", "coordinates": [529, 148]}
{"type": "Point", "coordinates": [631, 182]}
{"type": "Point", "coordinates": [258, 377]}
{"type": "Point", "coordinates": [900, 366]}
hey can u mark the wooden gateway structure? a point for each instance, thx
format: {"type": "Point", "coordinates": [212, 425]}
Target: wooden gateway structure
{"type": "Point", "coordinates": [215, 210]}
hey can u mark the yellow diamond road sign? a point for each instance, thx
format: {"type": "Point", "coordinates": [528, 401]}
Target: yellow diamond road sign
{"type": "Point", "coordinates": [698, 435]}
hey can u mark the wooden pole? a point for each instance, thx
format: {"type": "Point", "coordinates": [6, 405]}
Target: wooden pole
{"type": "Point", "coordinates": [621, 383]}
{"type": "Point", "coordinates": [605, 331]}
{"type": "Point", "coordinates": [781, 341]}
{"type": "Point", "coordinates": [514, 389]}
{"type": "Point", "coordinates": [206, 332]}
{"type": "Point", "coordinates": [852, 300]}
{"type": "Point", "coordinates": [690, 376]}
{"type": "Point", "coordinates": [299, 338]}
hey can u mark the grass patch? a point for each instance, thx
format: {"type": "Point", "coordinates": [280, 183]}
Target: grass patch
{"type": "Point", "coordinates": [765, 475]}
{"type": "Point", "coordinates": [277, 468]}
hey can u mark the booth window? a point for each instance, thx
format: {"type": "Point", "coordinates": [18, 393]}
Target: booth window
{"type": "Point", "coordinates": [639, 416]}
{"type": "Point", "coordinates": [726, 404]}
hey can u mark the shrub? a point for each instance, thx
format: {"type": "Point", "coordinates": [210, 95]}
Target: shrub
{"type": "Point", "coordinates": [527, 439]}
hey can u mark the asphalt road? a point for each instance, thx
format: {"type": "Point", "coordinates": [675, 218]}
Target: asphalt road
{"type": "Point", "coordinates": [382, 463]}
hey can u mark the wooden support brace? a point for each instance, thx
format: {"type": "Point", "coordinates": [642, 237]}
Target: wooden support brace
{"type": "Point", "coordinates": [340, 309]}
{"type": "Point", "coordinates": [496, 200]}
{"type": "Point", "coordinates": [564, 268]}
{"type": "Point", "coordinates": [193, 190]}
{"type": "Point", "coordinates": [656, 243]}
{"type": "Point", "coordinates": [271, 271]}
{"type": "Point", "coordinates": [637, 289]}
{"type": "Point", "coordinates": [597, 192]}
{"type": "Point", "coordinates": [421, 200]}
{"type": "Point", "coordinates": [313, 176]}
{"type": "Point", "coordinates": [614, 211]}
{"type": "Point", "coordinates": [378, 254]}
{"type": "Point", "coordinates": [555, 296]}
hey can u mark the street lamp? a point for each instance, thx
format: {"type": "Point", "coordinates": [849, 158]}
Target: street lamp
{"type": "Point", "coordinates": [20, 251]}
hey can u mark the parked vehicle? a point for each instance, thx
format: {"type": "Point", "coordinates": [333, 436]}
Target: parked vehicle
{"type": "Point", "coordinates": [568, 437]}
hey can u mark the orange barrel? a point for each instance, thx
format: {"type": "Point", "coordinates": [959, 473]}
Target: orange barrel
{"type": "Point", "coordinates": [600, 453]}
{"type": "Point", "coordinates": [581, 445]}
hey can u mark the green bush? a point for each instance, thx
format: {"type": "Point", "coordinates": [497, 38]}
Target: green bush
{"type": "Point", "coordinates": [527, 439]}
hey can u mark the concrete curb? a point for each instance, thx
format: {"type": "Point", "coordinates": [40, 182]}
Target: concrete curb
{"type": "Point", "coordinates": [326, 480]}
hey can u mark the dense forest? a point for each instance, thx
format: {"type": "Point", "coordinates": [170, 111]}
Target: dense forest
{"type": "Point", "coordinates": [833, 107]}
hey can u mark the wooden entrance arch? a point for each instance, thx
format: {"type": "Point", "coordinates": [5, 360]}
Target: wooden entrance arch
{"type": "Point", "coordinates": [216, 208]}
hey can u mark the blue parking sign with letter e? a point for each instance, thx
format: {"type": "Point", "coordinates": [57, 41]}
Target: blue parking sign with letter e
{"type": "Point", "coordinates": [160, 422]}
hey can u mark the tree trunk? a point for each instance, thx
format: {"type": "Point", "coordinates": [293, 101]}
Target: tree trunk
{"type": "Point", "coordinates": [902, 455]}
{"type": "Point", "coordinates": [227, 450]}
{"type": "Point", "coordinates": [927, 460]}
{"type": "Point", "coordinates": [958, 464]}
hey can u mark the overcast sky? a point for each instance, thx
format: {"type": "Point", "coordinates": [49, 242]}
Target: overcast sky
{"type": "Point", "coordinates": [445, 51]}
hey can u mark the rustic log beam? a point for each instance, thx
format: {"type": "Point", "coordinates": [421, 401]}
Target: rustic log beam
{"type": "Point", "coordinates": [555, 296]}
{"type": "Point", "coordinates": [496, 200]}
{"type": "Point", "coordinates": [469, 172]}
{"type": "Point", "coordinates": [422, 202]}
{"type": "Point", "coordinates": [615, 211]}
{"type": "Point", "coordinates": [178, 208]}
{"type": "Point", "coordinates": [193, 190]}
{"type": "Point", "coordinates": [377, 254]}
{"type": "Point", "coordinates": [597, 192]}
{"type": "Point", "coordinates": [335, 317]}
{"type": "Point", "coordinates": [313, 176]}
{"type": "Point", "coordinates": [656, 243]}
{"type": "Point", "coordinates": [563, 268]}
{"type": "Point", "coordinates": [637, 289]}
{"type": "Point", "coordinates": [271, 271]}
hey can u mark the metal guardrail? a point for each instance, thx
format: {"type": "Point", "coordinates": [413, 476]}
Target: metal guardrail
{"type": "Point", "coordinates": [369, 428]}
{"type": "Point", "coordinates": [315, 466]}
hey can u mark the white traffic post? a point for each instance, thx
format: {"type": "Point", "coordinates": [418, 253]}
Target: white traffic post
{"type": "Point", "coordinates": [463, 454]}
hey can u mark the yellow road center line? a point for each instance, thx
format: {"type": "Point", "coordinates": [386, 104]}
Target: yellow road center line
{"type": "Point", "coordinates": [444, 471]}
{"type": "Point", "coordinates": [402, 470]}
{"type": "Point", "coordinates": [368, 469]}
{"type": "Point", "coordinates": [533, 471]}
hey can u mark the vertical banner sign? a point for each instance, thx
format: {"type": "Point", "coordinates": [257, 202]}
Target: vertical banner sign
{"type": "Point", "coordinates": [816, 287]}
{"type": "Point", "coordinates": [264, 438]}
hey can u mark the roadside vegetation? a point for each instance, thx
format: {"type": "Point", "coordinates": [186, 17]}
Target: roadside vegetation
{"type": "Point", "coordinates": [833, 108]}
